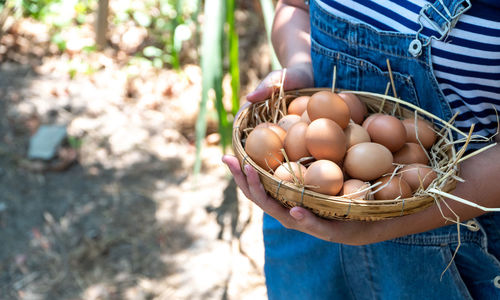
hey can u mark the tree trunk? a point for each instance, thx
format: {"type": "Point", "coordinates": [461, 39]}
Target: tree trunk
{"type": "Point", "coordinates": [102, 24]}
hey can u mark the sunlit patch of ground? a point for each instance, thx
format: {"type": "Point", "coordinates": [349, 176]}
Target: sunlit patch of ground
{"type": "Point", "coordinates": [128, 220]}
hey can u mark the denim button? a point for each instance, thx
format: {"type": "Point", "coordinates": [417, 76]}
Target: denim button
{"type": "Point", "coordinates": [415, 47]}
{"type": "Point", "coordinates": [472, 225]}
{"type": "Point", "coordinates": [496, 282]}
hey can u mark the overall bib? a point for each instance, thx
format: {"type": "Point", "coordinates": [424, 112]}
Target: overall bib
{"type": "Point", "coordinates": [299, 266]}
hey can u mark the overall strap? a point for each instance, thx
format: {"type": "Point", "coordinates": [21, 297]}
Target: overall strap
{"type": "Point", "coordinates": [442, 15]}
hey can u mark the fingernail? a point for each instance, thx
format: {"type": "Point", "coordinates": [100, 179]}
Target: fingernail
{"type": "Point", "coordinates": [247, 168]}
{"type": "Point", "coordinates": [250, 94]}
{"type": "Point", "coordinates": [297, 215]}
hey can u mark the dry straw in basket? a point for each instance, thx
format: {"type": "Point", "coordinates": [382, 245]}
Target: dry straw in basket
{"type": "Point", "coordinates": [443, 159]}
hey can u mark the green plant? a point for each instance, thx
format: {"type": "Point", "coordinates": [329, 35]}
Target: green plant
{"type": "Point", "coordinates": [170, 23]}
{"type": "Point", "coordinates": [75, 142]}
{"type": "Point", "coordinates": [211, 67]}
{"type": "Point", "coordinates": [216, 38]}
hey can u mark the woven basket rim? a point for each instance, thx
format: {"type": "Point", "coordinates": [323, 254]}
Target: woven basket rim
{"type": "Point", "coordinates": [391, 205]}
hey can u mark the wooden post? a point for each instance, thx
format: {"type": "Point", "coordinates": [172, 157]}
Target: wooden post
{"type": "Point", "coordinates": [102, 24]}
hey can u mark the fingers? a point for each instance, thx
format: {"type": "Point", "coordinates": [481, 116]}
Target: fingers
{"type": "Point", "coordinates": [266, 87]}
{"type": "Point", "coordinates": [271, 206]}
{"type": "Point", "coordinates": [239, 177]}
{"type": "Point", "coordinates": [253, 189]}
{"type": "Point", "coordinates": [297, 76]}
{"type": "Point", "coordinates": [297, 218]}
{"type": "Point", "coordinates": [307, 222]}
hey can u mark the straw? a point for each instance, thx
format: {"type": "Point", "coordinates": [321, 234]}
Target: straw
{"type": "Point", "coordinates": [444, 161]}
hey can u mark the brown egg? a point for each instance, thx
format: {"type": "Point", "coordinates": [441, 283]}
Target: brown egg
{"type": "Point", "coordinates": [305, 118]}
{"type": "Point", "coordinates": [367, 161]}
{"type": "Point", "coordinates": [298, 105]}
{"type": "Point", "coordinates": [295, 142]}
{"type": "Point", "coordinates": [369, 119]}
{"type": "Point", "coordinates": [325, 139]}
{"type": "Point", "coordinates": [284, 172]}
{"type": "Point", "coordinates": [288, 121]}
{"type": "Point", "coordinates": [325, 104]}
{"type": "Point", "coordinates": [275, 128]}
{"type": "Point", "coordinates": [388, 131]}
{"type": "Point", "coordinates": [354, 188]}
{"type": "Point", "coordinates": [326, 176]}
{"type": "Point", "coordinates": [264, 148]}
{"type": "Point", "coordinates": [396, 187]}
{"type": "Point", "coordinates": [411, 153]}
{"type": "Point", "coordinates": [356, 134]}
{"type": "Point", "coordinates": [426, 134]}
{"type": "Point", "coordinates": [418, 175]}
{"type": "Point", "coordinates": [357, 107]}
{"type": "Point", "coordinates": [391, 170]}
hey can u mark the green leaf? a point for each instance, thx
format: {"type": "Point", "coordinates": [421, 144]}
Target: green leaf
{"type": "Point", "coordinates": [151, 51]}
{"type": "Point", "coordinates": [182, 33]}
{"type": "Point", "coordinates": [58, 40]}
{"type": "Point", "coordinates": [75, 142]}
{"type": "Point", "coordinates": [89, 49]}
{"type": "Point", "coordinates": [234, 66]}
{"type": "Point", "coordinates": [158, 63]}
{"type": "Point", "coordinates": [211, 66]}
{"type": "Point", "coordinates": [142, 18]}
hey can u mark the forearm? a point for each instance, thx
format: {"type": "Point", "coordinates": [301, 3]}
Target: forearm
{"type": "Point", "coordinates": [290, 34]}
{"type": "Point", "coordinates": [481, 174]}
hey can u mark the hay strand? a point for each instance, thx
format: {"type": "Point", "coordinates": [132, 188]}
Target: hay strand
{"type": "Point", "coordinates": [334, 78]}
{"type": "Point", "coordinates": [443, 160]}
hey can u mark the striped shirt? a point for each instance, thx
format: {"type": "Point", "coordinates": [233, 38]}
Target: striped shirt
{"type": "Point", "coordinates": [466, 64]}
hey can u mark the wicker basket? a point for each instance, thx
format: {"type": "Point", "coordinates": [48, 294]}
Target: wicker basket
{"type": "Point", "coordinates": [336, 207]}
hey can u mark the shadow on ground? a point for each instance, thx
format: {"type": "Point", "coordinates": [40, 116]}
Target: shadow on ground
{"type": "Point", "coordinates": [65, 232]}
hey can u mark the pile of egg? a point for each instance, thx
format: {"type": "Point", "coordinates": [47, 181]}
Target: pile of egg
{"type": "Point", "coordinates": [352, 151]}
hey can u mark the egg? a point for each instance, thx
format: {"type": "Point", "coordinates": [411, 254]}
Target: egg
{"type": "Point", "coordinates": [325, 139]}
{"type": "Point", "coordinates": [354, 189]}
{"type": "Point", "coordinates": [356, 107]}
{"type": "Point", "coordinates": [324, 177]}
{"type": "Point", "coordinates": [275, 128]}
{"type": "Point", "coordinates": [285, 171]}
{"type": "Point", "coordinates": [325, 104]}
{"type": "Point", "coordinates": [426, 134]}
{"type": "Point", "coordinates": [411, 153]}
{"type": "Point", "coordinates": [369, 119]}
{"type": "Point", "coordinates": [295, 142]}
{"type": "Point", "coordinates": [264, 146]}
{"type": "Point", "coordinates": [391, 170]}
{"type": "Point", "coordinates": [396, 187]}
{"type": "Point", "coordinates": [388, 131]}
{"type": "Point", "coordinates": [418, 175]}
{"type": "Point", "coordinates": [367, 161]}
{"type": "Point", "coordinates": [305, 117]}
{"type": "Point", "coordinates": [355, 134]}
{"type": "Point", "coordinates": [298, 105]}
{"type": "Point", "coordinates": [288, 121]}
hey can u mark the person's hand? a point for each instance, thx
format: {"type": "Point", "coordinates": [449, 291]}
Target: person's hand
{"type": "Point", "coordinates": [479, 185]}
{"type": "Point", "coordinates": [298, 218]}
{"type": "Point", "coordinates": [296, 77]}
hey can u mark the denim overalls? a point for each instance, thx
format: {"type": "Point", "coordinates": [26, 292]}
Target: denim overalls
{"type": "Point", "coordinates": [299, 266]}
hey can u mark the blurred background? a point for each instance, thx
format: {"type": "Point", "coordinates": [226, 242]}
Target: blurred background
{"type": "Point", "coordinates": [114, 115]}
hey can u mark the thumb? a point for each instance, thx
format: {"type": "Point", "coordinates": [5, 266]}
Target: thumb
{"type": "Point", "coordinates": [266, 87]}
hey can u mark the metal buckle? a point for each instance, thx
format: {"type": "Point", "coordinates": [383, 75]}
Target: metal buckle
{"type": "Point", "coordinates": [423, 14]}
{"type": "Point", "coordinates": [416, 45]}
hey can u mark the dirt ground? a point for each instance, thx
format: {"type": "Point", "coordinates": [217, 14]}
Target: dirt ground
{"type": "Point", "coordinates": [127, 219]}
